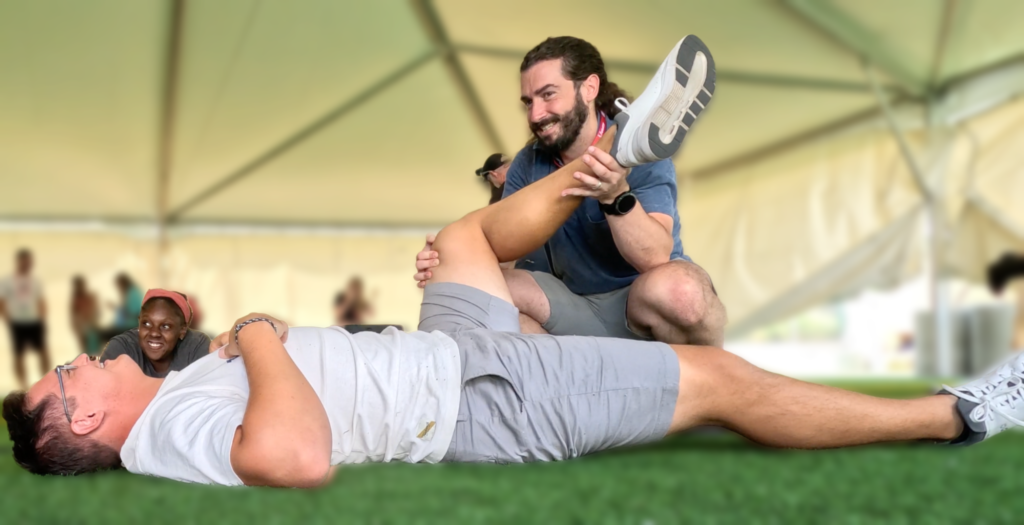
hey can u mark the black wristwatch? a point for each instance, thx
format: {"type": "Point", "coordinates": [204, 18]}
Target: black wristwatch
{"type": "Point", "coordinates": [622, 204]}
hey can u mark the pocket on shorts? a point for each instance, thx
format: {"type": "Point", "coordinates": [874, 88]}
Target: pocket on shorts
{"type": "Point", "coordinates": [494, 379]}
{"type": "Point", "coordinates": [491, 422]}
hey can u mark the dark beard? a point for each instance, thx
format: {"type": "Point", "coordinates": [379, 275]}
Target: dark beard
{"type": "Point", "coordinates": [572, 123]}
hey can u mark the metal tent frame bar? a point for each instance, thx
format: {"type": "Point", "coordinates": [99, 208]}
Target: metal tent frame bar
{"type": "Point", "coordinates": [435, 30]}
{"type": "Point", "coordinates": [168, 112]}
{"type": "Point", "coordinates": [821, 14]}
{"type": "Point", "coordinates": [304, 133]}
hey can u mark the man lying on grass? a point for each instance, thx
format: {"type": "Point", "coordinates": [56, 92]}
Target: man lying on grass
{"type": "Point", "coordinates": [280, 407]}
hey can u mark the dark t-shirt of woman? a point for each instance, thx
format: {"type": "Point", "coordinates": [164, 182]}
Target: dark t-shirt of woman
{"type": "Point", "coordinates": [194, 346]}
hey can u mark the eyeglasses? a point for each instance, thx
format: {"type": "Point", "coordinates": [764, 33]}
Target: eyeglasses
{"type": "Point", "coordinates": [60, 381]}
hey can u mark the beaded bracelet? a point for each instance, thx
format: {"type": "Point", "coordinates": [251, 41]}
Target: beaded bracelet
{"type": "Point", "coordinates": [241, 325]}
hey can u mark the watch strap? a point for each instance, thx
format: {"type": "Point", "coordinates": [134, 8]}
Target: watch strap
{"type": "Point", "coordinates": [613, 207]}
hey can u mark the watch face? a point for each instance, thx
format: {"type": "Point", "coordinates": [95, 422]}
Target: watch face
{"type": "Point", "coordinates": [625, 203]}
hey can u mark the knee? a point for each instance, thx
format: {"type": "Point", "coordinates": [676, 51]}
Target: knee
{"type": "Point", "coordinates": [680, 298]}
{"type": "Point", "coordinates": [466, 229]}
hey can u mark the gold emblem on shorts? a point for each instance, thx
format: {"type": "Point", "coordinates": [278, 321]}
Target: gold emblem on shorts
{"type": "Point", "coordinates": [426, 429]}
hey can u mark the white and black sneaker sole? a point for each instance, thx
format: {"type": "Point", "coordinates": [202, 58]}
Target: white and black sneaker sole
{"type": "Point", "coordinates": [683, 96]}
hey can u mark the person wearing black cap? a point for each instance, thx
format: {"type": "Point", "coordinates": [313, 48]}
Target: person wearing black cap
{"type": "Point", "coordinates": [493, 171]}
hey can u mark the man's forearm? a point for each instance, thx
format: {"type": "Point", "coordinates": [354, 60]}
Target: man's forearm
{"type": "Point", "coordinates": [285, 430]}
{"type": "Point", "coordinates": [641, 239]}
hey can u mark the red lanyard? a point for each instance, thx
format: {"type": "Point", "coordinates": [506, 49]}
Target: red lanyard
{"type": "Point", "coordinates": [602, 125]}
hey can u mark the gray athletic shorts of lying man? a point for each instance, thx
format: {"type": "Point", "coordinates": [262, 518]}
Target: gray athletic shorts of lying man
{"type": "Point", "coordinates": [281, 407]}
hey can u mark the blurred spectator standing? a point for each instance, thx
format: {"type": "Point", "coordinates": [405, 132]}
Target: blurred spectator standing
{"type": "Point", "coordinates": [85, 315]}
{"type": "Point", "coordinates": [493, 171]}
{"type": "Point", "coordinates": [351, 305]}
{"type": "Point", "coordinates": [23, 308]}
{"type": "Point", "coordinates": [126, 314]}
{"type": "Point", "coordinates": [1008, 270]}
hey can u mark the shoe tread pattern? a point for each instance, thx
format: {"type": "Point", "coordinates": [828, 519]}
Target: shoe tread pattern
{"type": "Point", "coordinates": [687, 55]}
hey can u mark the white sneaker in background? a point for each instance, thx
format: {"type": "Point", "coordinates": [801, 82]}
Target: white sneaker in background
{"type": "Point", "coordinates": [654, 125]}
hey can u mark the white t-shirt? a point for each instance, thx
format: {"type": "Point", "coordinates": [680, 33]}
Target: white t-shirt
{"type": "Point", "coordinates": [21, 294]}
{"type": "Point", "coordinates": [390, 396]}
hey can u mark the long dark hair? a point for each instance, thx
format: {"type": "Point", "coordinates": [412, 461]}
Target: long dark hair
{"type": "Point", "coordinates": [580, 59]}
{"type": "Point", "coordinates": [44, 443]}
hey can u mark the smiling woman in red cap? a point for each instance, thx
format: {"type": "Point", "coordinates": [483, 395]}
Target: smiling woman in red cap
{"type": "Point", "coordinates": [163, 341]}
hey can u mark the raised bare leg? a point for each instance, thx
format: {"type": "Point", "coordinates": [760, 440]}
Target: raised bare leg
{"type": "Point", "coordinates": [470, 249]}
{"type": "Point", "coordinates": [719, 388]}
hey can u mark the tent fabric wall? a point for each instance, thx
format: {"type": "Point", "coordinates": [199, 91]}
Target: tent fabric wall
{"type": "Point", "coordinates": [764, 229]}
{"type": "Point", "coordinates": [991, 216]}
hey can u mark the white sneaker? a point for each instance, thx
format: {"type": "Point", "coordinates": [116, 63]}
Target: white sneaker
{"type": "Point", "coordinates": [653, 126]}
{"type": "Point", "coordinates": [993, 403]}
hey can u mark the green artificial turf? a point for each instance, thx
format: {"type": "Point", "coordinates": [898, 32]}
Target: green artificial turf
{"type": "Point", "coordinates": [698, 478]}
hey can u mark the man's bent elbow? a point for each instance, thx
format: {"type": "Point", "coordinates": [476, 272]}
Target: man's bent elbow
{"type": "Point", "coordinates": [300, 467]}
{"type": "Point", "coordinates": [300, 477]}
{"type": "Point", "coordinates": [311, 471]}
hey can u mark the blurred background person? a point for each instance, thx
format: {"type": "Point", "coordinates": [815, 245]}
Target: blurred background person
{"type": "Point", "coordinates": [1008, 270]}
{"type": "Point", "coordinates": [162, 342]}
{"type": "Point", "coordinates": [85, 314]}
{"type": "Point", "coordinates": [23, 307]}
{"type": "Point", "coordinates": [351, 305]}
{"type": "Point", "coordinates": [493, 171]}
{"type": "Point", "coordinates": [126, 314]}
{"type": "Point", "coordinates": [197, 313]}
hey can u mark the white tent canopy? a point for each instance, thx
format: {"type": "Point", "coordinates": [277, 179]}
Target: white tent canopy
{"type": "Point", "coordinates": [331, 135]}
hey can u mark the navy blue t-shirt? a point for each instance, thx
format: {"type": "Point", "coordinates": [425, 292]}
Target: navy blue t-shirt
{"type": "Point", "coordinates": [582, 253]}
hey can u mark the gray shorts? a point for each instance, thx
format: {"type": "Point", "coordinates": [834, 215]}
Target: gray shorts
{"type": "Point", "coordinates": [542, 397]}
{"type": "Point", "coordinates": [601, 314]}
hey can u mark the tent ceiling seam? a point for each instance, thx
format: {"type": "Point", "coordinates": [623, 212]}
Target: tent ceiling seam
{"type": "Point", "coordinates": [786, 144]}
{"type": "Point", "coordinates": [168, 110]}
{"type": "Point", "coordinates": [304, 133]}
{"type": "Point", "coordinates": [949, 90]}
{"type": "Point", "coordinates": [986, 208]}
{"type": "Point", "coordinates": [908, 155]}
{"type": "Point", "coordinates": [743, 77]}
{"type": "Point", "coordinates": [942, 40]}
{"type": "Point", "coordinates": [434, 27]}
{"type": "Point", "coordinates": [168, 106]}
{"type": "Point", "coordinates": [226, 73]}
{"type": "Point", "coordinates": [855, 38]}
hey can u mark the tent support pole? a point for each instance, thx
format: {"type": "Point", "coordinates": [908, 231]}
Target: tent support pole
{"type": "Point", "coordinates": [933, 206]}
{"type": "Point", "coordinates": [165, 147]}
